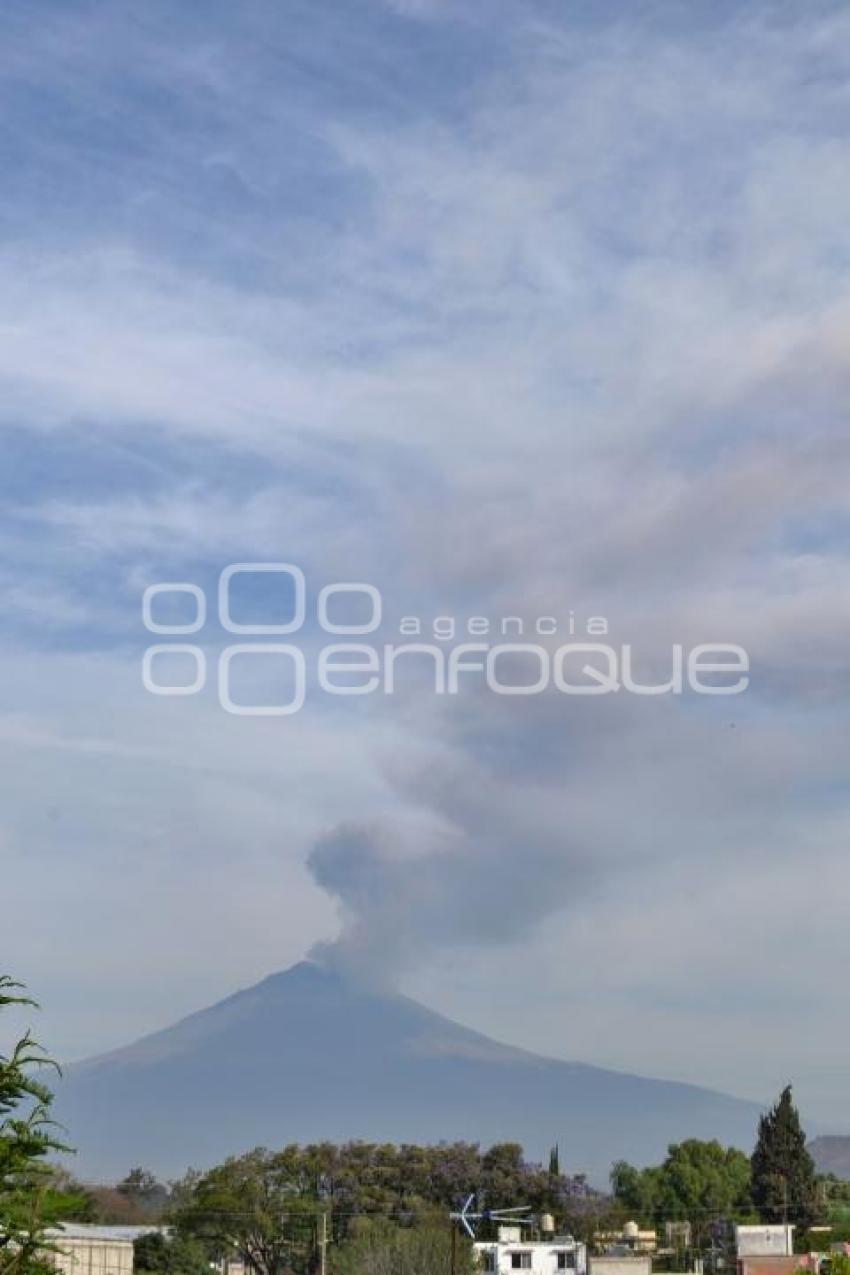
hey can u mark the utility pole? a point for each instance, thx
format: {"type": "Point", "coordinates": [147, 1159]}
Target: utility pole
{"type": "Point", "coordinates": [323, 1243]}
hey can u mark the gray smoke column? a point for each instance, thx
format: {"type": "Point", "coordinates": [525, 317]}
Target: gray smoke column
{"type": "Point", "coordinates": [480, 875]}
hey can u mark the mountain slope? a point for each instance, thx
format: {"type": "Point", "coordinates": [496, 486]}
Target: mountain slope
{"type": "Point", "coordinates": [306, 1055]}
{"type": "Point", "coordinates": [831, 1154]}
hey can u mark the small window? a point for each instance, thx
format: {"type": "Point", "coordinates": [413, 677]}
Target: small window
{"type": "Point", "coordinates": [566, 1260]}
{"type": "Point", "coordinates": [520, 1261]}
{"type": "Point", "coordinates": [489, 1261]}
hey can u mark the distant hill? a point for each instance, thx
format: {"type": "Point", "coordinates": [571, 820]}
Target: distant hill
{"type": "Point", "coordinates": [306, 1055]}
{"type": "Point", "coordinates": [831, 1154]}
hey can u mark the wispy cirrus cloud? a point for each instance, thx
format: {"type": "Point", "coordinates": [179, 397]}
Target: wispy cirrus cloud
{"type": "Point", "coordinates": [520, 316]}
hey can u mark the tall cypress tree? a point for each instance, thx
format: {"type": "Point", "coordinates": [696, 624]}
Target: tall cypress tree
{"type": "Point", "coordinates": [555, 1162]}
{"type": "Point", "coordinates": [784, 1186]}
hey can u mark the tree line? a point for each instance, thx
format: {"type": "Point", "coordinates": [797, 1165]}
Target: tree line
{"type": "Point", "coordinates": [703, 1182]}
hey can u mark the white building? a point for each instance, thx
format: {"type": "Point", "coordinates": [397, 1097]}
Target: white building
{"type": "Point", "coordinates": [764, 1241]}
{"type": "Point", "coordinates": [511, 1252]}
{"type": "Point", "coordinates": [80, 1249]}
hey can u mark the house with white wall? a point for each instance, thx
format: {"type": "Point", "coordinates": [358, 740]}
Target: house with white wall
{"type": "Point", "coordinates": [512, 1252]}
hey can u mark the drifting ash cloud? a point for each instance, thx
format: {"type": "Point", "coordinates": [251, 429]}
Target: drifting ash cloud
{"type": "Point", "coordinates": [478, 872]}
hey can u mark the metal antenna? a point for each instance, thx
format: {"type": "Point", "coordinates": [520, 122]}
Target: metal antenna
{"type": "Point", "coordinates": [466, 1218]}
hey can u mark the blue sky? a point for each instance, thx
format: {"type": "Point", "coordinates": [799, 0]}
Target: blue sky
{"type": "Point", "coordinates": [507, 309]}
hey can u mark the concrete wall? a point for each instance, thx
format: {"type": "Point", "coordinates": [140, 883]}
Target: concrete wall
{"type": "Point", "coordinates": [77, 1255]}
{"type": "Point", "coordinates": [637, 1264]}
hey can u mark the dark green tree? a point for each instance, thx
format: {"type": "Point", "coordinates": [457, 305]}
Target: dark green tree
{"type": "Point", "coordinates": [504, 1175]}
{"type": "Point", "coordinates": [700, 1182]}
{"type": "Point", "coordinates": [29, 1202]}
{"type": "Point", "coordinates": [259, 1207]}
{"type": "Point", "coordinates": [159, 1254]}
{"type": "Point", "coordinates": [637, 1190]}
{"type": "Point", "coordinates": [784, 1186]}
{"type": "Point", "coordinates": [555, 1161]}
{"type": "Point", "coordinates": [377, 1247]}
